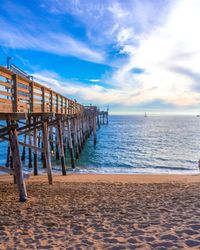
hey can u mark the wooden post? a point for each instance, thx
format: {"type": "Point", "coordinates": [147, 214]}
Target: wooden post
{"type": "Point", "coordinates": [51, 101]}
{"type": "Point", "coordinates": [60, 139]}
{"type": "Point", "coordinates": [14, 144]}
{"type": "Point", "coordinates": [32, 96]}
{"type": "Point", "coordinates": [8, 156]}
{"type": "Point", "coordinates": [75, 137]}
{"type": "Point", "coordinates": [70, 144]}
{"type": "Point", "coordinates": [84, 130]}
{"type": "Point", "coordinates": [15, 93]}
{"type": "Point", "coordinates": [64, 137]}
{"type": "Point", "coordinates": [30, 143]}
{"type": "Point", "coordinates": [56, 103]}
{"type": "Point", "coordinates": [46, 151]}
{"type": "Point", "coordinates": [57, 145]}
{"type": "Point", "coordinates": [94, 129]}
{"type": "Point", "coordinates": [35, 151]}
{"type": "Point", "coordinates": [43, 100]}
{"type": "Point", "coordinates": [89, 127]}
{"type": "Point", "coordinates": [79, 134]}
{"type": "Point", "coordinates": [10, 160]}
{"type": "Point", "coordinates": [51, 139]}
{"type": "Point", "coordinates": [98, 122]}
{"type": "Point", "coordinates": [24, 150]}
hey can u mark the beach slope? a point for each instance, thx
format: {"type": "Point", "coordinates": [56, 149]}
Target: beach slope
{"type": "Point", "coordinates": [102, 212]}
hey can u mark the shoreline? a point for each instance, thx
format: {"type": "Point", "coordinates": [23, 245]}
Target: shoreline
{"type": "Point", "coordinates": [124, 178]}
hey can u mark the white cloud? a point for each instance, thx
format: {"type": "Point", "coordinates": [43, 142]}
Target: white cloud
{"type": "Point", "coordinates": [48, 41]}
{"type": "Point", "coordinates": [94, 80]}
{"type": "Point", "coordinates": [170, 56]}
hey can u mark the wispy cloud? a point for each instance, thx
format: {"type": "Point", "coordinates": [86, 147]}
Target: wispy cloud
{"type": "Point", "coordinates": [93, 80]}
{"type": "Point", "coordinates": [40, 37]}
{"type": "Point", "coordinates": [93, 93]}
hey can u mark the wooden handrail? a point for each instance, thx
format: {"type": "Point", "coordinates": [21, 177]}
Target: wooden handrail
{"type": "Point", "coordinates": [35, 98]}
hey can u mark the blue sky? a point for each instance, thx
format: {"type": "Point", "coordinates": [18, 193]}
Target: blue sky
{"type": "Point", "coordinates": [135, 55]}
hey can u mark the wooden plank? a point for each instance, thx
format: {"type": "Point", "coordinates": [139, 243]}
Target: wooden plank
{"type": "Point", "coordinates": [23, 97]}
{"type": "Point", "coordinates": [23, 84]}
{"type": "Point", "coordinates": [52, 101]}
{"type": "Point", "coordinates": [5, 93]}
{"type": "Point", "coordinates": [23, 104]}
{"type": "Point", "coordinates": [27, 91]}
{"type": "Point", "coordinates": [23, 80]}
{"type": "Point", "coordinates": [4, 74]}
{"type": "Point", "coordinates": [37, 105]}
{"type": "Point", "coordinates": [6, 84]}
{"type": "Point", "coordinates": [31, 146]}
{"type": "Point", "coordinates": [5, 108]}
{"type": "Point", "coordinates": [37, 94]}
{"type": "Point", "coordinates": [2, 100]}
{"type": "Point", "coordinates": [37, 86]}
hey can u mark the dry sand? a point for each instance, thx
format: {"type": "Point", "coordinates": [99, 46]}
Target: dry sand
{"type": "Point", "coordinates": [102, 212]}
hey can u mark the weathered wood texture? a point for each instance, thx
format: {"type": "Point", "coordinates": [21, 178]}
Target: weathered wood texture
{"type": "Point", "coordinates": [18, 170]}
{"type": "Point", "coordinates": [22, 95]}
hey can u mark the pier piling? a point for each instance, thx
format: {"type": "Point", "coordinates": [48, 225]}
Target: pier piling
{"type": "Point", "coordinates": [42, 122]}
{"type": "Point", "coordinates": [17, 165]}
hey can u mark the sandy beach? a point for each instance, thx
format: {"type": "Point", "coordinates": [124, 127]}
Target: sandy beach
{"type": "Point", "coordinates": [102, 212]}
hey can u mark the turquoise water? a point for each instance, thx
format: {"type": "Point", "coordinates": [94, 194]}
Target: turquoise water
{"type": "Point", "coordinates": [135, 144]}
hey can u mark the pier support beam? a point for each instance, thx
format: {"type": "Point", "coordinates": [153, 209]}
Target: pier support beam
{"type": "Point", "coordinates": [17, 165]}
{"type": "Point", "coordinates": [94, 130]}
{"type": "Point", "coordinates": [46, 152]}
{"type": "Point", "coordinates": [8, 156]}
{"type": "Point", "coordinates": [60, 139]}
{"type": "Point", "coordinates": [70, 144]}
{"type": "Point", "coordinates": [24, 150]}
{"type": "Point", "coordinates": [75, 137]}
{"type": "Point", "coordinates": [30, 143]}
{"type": "Point", "coordinates": [57, 145]}
{"type": "Point", "coordinates": [35, 151]}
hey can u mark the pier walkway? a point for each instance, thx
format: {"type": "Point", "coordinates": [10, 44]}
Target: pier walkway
{"type": "Point", "coordinates": [43, 122]}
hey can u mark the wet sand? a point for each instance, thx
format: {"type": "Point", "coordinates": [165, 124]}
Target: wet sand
{"type": "Point", "coordinates": [102, 212]}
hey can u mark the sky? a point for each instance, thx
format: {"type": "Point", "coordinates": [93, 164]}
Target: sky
{"type": "Point", "coordinates": [134, 55]}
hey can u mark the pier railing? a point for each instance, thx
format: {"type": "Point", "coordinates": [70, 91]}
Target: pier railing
{"type": "Point", "coordinates": [19, 94]}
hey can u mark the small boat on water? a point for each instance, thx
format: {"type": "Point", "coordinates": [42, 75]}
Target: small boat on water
{"type": "Point", "coordinates": [198, 115]}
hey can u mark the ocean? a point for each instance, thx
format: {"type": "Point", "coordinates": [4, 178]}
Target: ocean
{"type": "Point", "coordinates": [138, 144]}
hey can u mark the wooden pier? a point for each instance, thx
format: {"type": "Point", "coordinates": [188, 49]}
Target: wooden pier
{"type": "Point", "coordinates": [44, 123]}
